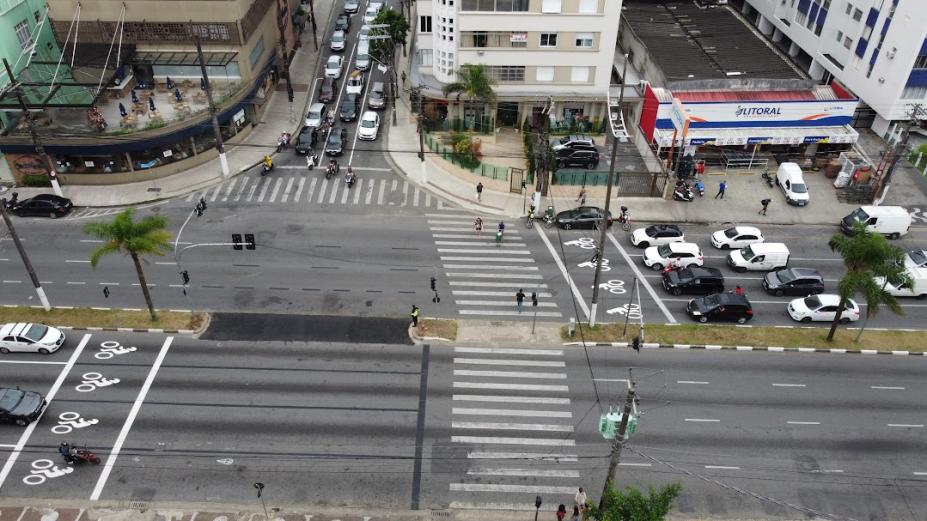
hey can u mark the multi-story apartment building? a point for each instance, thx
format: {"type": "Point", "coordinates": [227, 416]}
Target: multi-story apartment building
{"type": "Point", "coordinates": [534, 49]}
{"type": "Point", "coordinates": [877, 49]}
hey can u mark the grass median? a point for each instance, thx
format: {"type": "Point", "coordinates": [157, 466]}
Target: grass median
{"type": "Point", "coordinates": [724, 335]}
{"type": "Point", "coordinates": [436, 327]}
{"type": "Point", "coordinates": [109, 318]}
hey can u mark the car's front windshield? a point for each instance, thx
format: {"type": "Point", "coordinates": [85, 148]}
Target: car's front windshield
{"type": "Point", "coordinates": [367, 123]}
{"type": "Point", "coordinates": [785, 276]}
{"type": "Point", "coordinates": [747, 253]}
{"type": "Point", "coordinates": [730, 233]}
{"type": "Point", "coordinates": [713, 300]}
{"type": "Point", "coordinates": [860, 215]}
{"type": "Point", "coordinates": [799, 188]}
{"type": "Point", "coordinates": [36, 332]}
{"type": "Point", "coordinates": [10, 398]}
{"type": "Point", "coordinates": [664, 250]}
{"type": "Point", "coordinates": [813, 302]}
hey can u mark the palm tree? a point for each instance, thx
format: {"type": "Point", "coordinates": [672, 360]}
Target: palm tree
{"type": "Point", "coordinates": [866, 256]}
{"type": "Point", "coordinates": [145, 237]}
{"type": "Point", "coordinates": [474, 82]}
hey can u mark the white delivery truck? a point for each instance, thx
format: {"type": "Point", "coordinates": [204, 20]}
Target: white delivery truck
{"type": "Point", "coordinates": [791, 180]}
{"type": "Point", "coordinates": [762, 256]}
{"type": "Point", "coordinates": [891, 221]}
{"type": "Point", "coordinates": [917, 287]}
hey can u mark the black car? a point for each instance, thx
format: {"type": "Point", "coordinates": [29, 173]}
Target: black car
{"type": "Point", "coordinates": [693, 279]}
{"type": "Point", "coordinates": [20, 407]}
{"type": "Point", "coordinates": [582, 217]}
{"type": "Point", "coordinates": [577, 157]}
{"type": "Point", "coordinates": [343, 23]}
{"type": "Point", "coordinates": [48, 205]}
{"type": "Point", "coordinates": [349, 108]}
{"type": "Point", "coordinates": [335, 144]}
{"type": "Point", "coordinates": [720, 306]}
{"type": "Point", "coordinates": [799, 282]}
{"type": "Point", "coordinates": [304, 141]}
{"type": "Point", "coordinates": [327, 90]}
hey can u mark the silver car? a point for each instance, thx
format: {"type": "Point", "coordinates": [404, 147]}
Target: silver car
{"type": "Point", "coordinates": [351, 6]}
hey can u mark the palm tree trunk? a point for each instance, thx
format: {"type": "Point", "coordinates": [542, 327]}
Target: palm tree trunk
{"type": "Point", "coordinates": [141, 280]}
{"type": "Point", "coordinates": [861, 329]}
{"type": "Point", "coordinates": [837, 317]}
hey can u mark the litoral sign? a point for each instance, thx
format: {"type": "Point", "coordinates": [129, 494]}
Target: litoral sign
{"type": "Point", "coordinates": [769, 114]}
{"type": "Point", "coordinates": [679, 116]}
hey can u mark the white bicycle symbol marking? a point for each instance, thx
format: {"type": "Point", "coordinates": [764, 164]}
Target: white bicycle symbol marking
{"type": "Point", "coordinates": [111, 348]}
{"type": "Point", "coordinates": [93, 381]}
{"type": "Point", "coordinates": [633, 311]}
{"type": "Point", "coordinates": [68, 421]}
{"type": "Point", "coordinates": [615, 286]}
{"type": "Point", "coordinates": [586, 243]}
{"type": "Point", "coordinates": [590, 264]}
{"type": "Point", "coordinates": [43, 469]}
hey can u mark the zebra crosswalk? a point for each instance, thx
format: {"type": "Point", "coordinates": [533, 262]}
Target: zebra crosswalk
{"type": "Point", "coordinates": [371, 189]}
{"type": "Point", "coordinates": [511, 410]}
{"type": "Point", "coordinates": [483, 275]}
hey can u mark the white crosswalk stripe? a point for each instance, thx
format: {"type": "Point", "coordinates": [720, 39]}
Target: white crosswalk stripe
{"type": "Point", "coordinates": [499, 475]}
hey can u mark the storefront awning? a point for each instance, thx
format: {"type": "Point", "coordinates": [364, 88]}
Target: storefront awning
{"type": "Point", "coordinates": [220, 59]}
{"type": "Point", "coordinates": [760, 136]}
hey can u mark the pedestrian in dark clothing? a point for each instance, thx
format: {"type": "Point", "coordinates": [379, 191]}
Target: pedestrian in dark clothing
{"type": "Point", "coordinates": [765, 203]}
{"type": "Point", "coordinates": [479, 191]}
{"type": "Point", "coordinates": [721, 188]}
{"type": "Point", "coordinates": [576, 516]}
{"type": "Point", "coordinates": [414, 315]}
{"type": "Point", "coordinates": [520, 300]}
{"type": "Point", "coordinates": [105, 291]}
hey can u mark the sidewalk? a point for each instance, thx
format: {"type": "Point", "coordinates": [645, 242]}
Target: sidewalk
{"type": "Point", "coordinates": [241, 157]}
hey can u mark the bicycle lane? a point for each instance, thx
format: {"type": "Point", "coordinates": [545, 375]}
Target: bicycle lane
{"type": "Point", "coordinates": [92, 403]}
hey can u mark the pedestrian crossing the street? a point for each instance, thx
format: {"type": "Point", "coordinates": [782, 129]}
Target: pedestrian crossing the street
{"type": "Point", "coordinates": [510, 408]}
{"type": "Point", "coordinates": [312, 189]}
{"type": "Point", "coordinates": [484, 276]}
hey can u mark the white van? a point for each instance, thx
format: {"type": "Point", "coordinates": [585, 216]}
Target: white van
{"type": "Point", "coordinates": [762, 256]}
{"type": "Point", "coordinates": [891, 221]}
{"type": "Point", "coordinates": [790, 179]}
{"type": "Point", "coordinates": [917, 288]}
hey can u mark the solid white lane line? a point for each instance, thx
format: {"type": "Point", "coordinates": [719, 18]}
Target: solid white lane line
{"type": "Point", "coordinates": [516, 363]}
{"type": "Point", "coordinates": [508, 313]}
{"type": "Point", "coordinates": [547, 442]}
{"type": "Point", "coordinates": [509, 351]}
{"type": "Point", "coordinates": [881, 388]}
{"type": "Point", "coordinates": [36, 362]}
{"type": "Point", "coordinates": [504, 276]}
{"type": "Point", "coordinates": [580, 299]}
{"type": "Point", "coordinates": [49, 396]}
{"type": "Point", "coordinates": [802, 423]}
{"type": "Point", "coordinates": [537, 473]}
{"type": "Point", "coordinates": [506, 426]}
{"type": "Point", "coordinates": [702, 420]}
{"type": "Point", "coordinates": [510, 412]}
{"type": "Point", "coordinates": [287, 190]}
{"type": "Point", "coordinates": [77, 261]}
{"type": "Point", "coordinates": [511, 387]}
{"type": "Point", "coordinates": [130, 419]}
{"type": "Point", "coordinates": [632, 464]}
{"type": "Point", "coordinates": [532, 456]}
{"type": "Point", "coordinates": [692, 382]}
{"type": "Point", "coordinates": [502, 303]}
{"type": "Point", "coordinates": [485, 268]}
{"type": "Point", "coordinates": [653, 294]}
{"type": "Point", "coordinates": [721, 467]}
{"type": "Point", "coordinates": [789, 385]}
{"type": "Point", "coordinates": [511, 399]}
{"type": "Point", "coordinates": [509, 489]}
{"type": "Point", "coordinates": [907, 425]}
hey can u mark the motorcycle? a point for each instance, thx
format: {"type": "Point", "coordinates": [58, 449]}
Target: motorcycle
{"type": "Point", "coordinates": [700, 187]}
{"type": "Point", "coordinates": [76, 455]}
{"type": "Point", "coordinates": [768, 178]}
{"type": "Point", "coordinates": [625, 218]}
{"type": "Point", "coordinates": [265, 169]}
{"type": "Point", "coordinates": [311, 160]}
{"type": "Point", "coordinates": [549, 218]}
{"type": "Point", "coordinates": [349, 179]}
{"type": "Point", "coordinates": [332, 170]}
{"type": "Point", "coordinates": [683, 193]}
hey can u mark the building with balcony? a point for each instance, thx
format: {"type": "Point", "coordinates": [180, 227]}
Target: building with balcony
{"type": "Point", "coordinates": [133, 105]}
{"type": "Point", "coordinates": [536, 50]}
{"type": "Point", "coordinates": [876, 49]}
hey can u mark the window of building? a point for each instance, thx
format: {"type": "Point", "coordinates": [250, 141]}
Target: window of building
{"type": "Point", "coordinates": [817, 30]}
{"type": "Point", "coordinates": [857, 14]}
{"type": "Point", "coordinates": [826, 4]}
{"type": "Point", "coordinates": [550, 6]}
{"type": "Point", "coordinates": [424, 24]}
{"type": "Point", "coordinates": [426, 57]}
{"type": "Point", "coordinates": [588, 6]}
{"type": "Point", "coordinates": [494, 5]}
{"type": "Point", "coordinates": [839, 36]}
{"type": "Point", "coordinates": [867, 32]}
{"type": "Point", "coordinates": [508, 73]}
{"type": "Point", "coordinates": [914, 92]}
{"type": "Point", "coordinates": [848, 42]}
{"type": "Point", "coordinates": [255, 56]}
{"type": "Point", "coordinates": [920, 62]}
{"type": "Point", "coordinates": [849, 8]}
{"type": "Point", "coordinates": [579, 74]}
{"type": "Point", "coordinates": [810, 23]}
{"type": "Point", "coordinates": [499, 39]}
{"type": "Point", "coordinates": [585, 40]}
{"type": "Point", "coordinates": [22, 33]}
{"type": "Point", "coordinates": [545, 73]}
{"type": "Point", "coordinates": [548, 40]}
{"type": "Point", "coordinates": [800, 18]}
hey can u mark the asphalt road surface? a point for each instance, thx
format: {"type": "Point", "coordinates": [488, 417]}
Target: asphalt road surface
{"type": "Point", "coordinates": [748, 434]}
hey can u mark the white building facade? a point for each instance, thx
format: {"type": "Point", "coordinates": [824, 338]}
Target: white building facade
{"type": "Point", "coordinates": [536, 50]}
{"type": "Point", "coordinates": [875, 49]}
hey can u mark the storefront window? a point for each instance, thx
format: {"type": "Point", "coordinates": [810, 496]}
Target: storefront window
{"type": "Point", "coordinates": [91, 164]}
{"type": "Point", "coordinates": [205, 141]}
{"type": "Point", "coordinates": [162, 155]}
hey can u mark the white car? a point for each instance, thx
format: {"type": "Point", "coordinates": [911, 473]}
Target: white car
{"type": "Point", "coordinates": [916, 259]}
{"type": "Point", "coordinates": [23, 337]}
{"type": "Point", "coordinates": [364, 33]}
{"type": "Point", "coordinates": [333, 67]}
{"type": "Point", "coordinates": [675, 254]}
{"type": "Point", "coordinates": [351, 6]}
{"type": "Point", "coordinates": [822, 308]}
{"type": "Point", "coordinates": [369, 126]}
{"type": "Point", "coordinates": [736, 238]}
{"type": "Point", "coordinates": [370, 14]}
{"type": "Point", "coordinates": [657, 235]}
{"type": "Point", "coordinates": [355, 83]}
{"type": "Point", "coordinates": [337, 42]}
{"type": "Point", "coordinates": [376, 4]}
{"type": "Point", "coordinates": [315, 114]}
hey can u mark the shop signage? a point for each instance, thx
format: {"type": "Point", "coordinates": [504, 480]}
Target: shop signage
{"type": "Point", "coordinates": [519, 37]}
{"type": "Point", "coordinates": [757, 140]}
{"type": "Point", "coordinates": [721, 115]}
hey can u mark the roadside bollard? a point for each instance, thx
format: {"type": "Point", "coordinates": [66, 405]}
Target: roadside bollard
{"type": "Point", "coordinates": [571, 327]}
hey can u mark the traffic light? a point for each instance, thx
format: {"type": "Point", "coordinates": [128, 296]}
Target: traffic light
{"type": "Point", "coordinates": [236, 239]}
{"type": "Point", "coordinates": [636, 343]}
{"type": "Point", "coordinates": [433, 284]}
{"type": "Point", "coordinates": [534, 298]}
{"type": "Point", "coordinates": [249, 241]}
{"type": "Point", "coordinates": [185, 277]}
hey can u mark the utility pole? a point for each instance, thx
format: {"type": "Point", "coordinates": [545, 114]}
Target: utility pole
{"type": "Point", "coordinates": [618, 444]}
{"type": "Point", "coordinates": [22, 252]}
{"type": "Point", "coordinates": [223, 161]}
{"type": "Point", "coordinates": [281, 27]}
{"type": "Point", "coordinates": [315, 36]}
{"type": "Point", "coordinates": [918, 115]}
{"type": "Point", "coordinates": [542, 168]}
{"type": "Point", "coordinates": [421, 131]}
{"type": "Point", "coordinates": [36, 140]}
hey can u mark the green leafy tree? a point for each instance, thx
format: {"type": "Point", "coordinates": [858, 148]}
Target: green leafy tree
{"type": "Point", "coordinates": [866, 255]}
{"type": "Point", "coordinates": [397, 29]}
{"type": "Point", "coordinates": [133, 238]}
{"type": "Point", "coordinates": [632, 505]}
{"type": "Point", "coordinates": [473, 82]}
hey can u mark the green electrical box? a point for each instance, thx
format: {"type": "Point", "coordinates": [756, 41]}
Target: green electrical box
{"type": "Point", "coordinates": [611, 421]}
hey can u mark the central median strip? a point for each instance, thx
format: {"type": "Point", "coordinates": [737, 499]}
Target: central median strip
{"type": "Point", "coordinates": [105, 318]}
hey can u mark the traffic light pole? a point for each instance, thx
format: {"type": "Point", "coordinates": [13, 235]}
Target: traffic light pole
{"type": "Point", "coordinates": [223, 161]}
{"type": "Point", "coordinates": [22, 253]}
{"type": "Point", "coordinates": [618, 444]}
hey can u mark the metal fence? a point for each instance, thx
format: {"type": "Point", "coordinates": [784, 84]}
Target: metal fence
{"type": "Point", "coordinates": [645, 184]}
{"type": "Point", "coordinates": [474, 165]}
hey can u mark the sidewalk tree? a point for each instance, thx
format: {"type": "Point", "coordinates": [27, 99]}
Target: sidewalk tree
{"type": "Point", "coordinates": [133, 238]}
{"type": "Point", "coordinates": [866, 255]}
{"type": "Point", "coordinates": [632, 505]}
{"type": "Point", "coordinates": [397, 30]}
{"type": "Point", "coordinates": [473, 82]}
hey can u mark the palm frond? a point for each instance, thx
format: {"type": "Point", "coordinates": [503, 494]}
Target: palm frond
{"type": "Point", "coordinates": [106, 249]}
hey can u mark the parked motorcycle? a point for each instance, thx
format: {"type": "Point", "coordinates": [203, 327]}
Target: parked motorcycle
{"type": "Point", "coordinates": [683, 193]}
{"type": "Point", "coordinates": [75, 455]}
{"type": "Point", "coordinates": [768, 178]}
{"type": "Point", "coordinates": [700, 187]}
{"type": "Point", "coordinates": [624, 218]}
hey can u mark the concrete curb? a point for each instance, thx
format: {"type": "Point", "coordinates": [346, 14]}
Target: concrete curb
{"type": "Point", "coordinates": [709, 347]}
{"type": "Point", "coordinates": [131, 330]}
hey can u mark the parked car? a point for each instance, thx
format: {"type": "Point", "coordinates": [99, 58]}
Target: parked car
{"type": "Point", "coordinates": [20, 407]}
{"type": "Point", "coordinates": [343, 22]}
{"type": "Point", "coordinates": [791, 180]}
{"type": "Point", "coordinates": [736, 237]}
{"type": "Point", "coordinates": [582, 217]}
{"type": "Point", "coordinates": [657, 235]}
{"type": "Point", "coordinates": [573, 157]}
{"type": "Point", "coordinates": [720, 306]}
{"type": "Point", "coordinates": [794, 281]}
{"type": "Point", "coordinates": [333, 67]}
{"type": "Point", "coordinates": [315, 114]}
{"type": "Point", "coordinates": [822, 308]}
{"type": "Point", "coordinates": [676, 254]}
{"type": "Point", "coordinates": [369, 126]}
{"type": "Point", "coordinates": [327, 90]}
{"type": "Point", "coordinates": [337, 41]}
{"type": "Point", "coordinates": [334, 146]}
{"type": "Point", "coordinates": [303, 143]}
{"type": "Point", "coordinates": [28, 337]}
{"type": "Point", "coordinates": [349, 108]}
{"type": "Point", "coordinates": [351, 6]}
{"type": "Point", "coordinates": [574, 141]}
{"type": "Point", "coordinates": [43, 205]}
{"type": "Point", "coordinates": [693, 280]}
